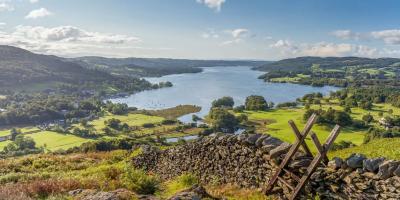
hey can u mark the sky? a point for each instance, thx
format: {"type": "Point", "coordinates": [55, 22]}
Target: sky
{"type": "Point", "coordinates": [203, 29]}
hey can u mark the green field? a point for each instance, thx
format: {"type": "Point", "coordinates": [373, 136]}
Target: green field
{"type": "Point", "coordinates": [54, 141]}
{"type": "Point", "coordinates": [25, 130]}
{"type": "Point", "coordinates": [276, 124]}
{"type": "Point", "coordinates": [289, 79]}
{"type": "Point", "coordinates": [387, 148]}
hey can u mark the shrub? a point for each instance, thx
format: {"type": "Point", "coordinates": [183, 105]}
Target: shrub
{"type": "Point", "coordinates": [139, 182]}
{"type": "Point", "coordinates": [148, 125]}
{"type": "Point", "coordinates": [168, 122]}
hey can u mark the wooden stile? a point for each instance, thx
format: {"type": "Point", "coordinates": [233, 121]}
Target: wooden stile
{"type": "Point", "coordinates": [319, 159]}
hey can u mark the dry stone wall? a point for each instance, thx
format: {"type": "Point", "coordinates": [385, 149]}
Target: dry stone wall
{"type": "Point", "coordinates": [249, 160]}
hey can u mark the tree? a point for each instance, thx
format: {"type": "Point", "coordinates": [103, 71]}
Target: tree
{"type": "Point", "coordinates": [223, 102]}
{"type": "Point", "coordinates": [368, 118]}
{"type": "Point", "coordinates": [255, 102]}
{"type": "Point", "coordinates": [113, 123]}
{"type": "Point", "coordinates": [222, 120]}
{"type": "Point", "coordinates": [23, 142]}
{"type": "Point", "coordinates": [342, 118]}
{"type": "Point", "coordinates": [14, 132]}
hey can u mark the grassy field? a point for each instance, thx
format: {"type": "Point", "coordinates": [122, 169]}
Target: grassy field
{"type": "Point", "coordinates": [130, 119]}
{"type": "Point", "coordinates": [25, 130]}
{"type": "Point", "coordinates": [54, 141]}
{"type": "Point", "coordinates": [376, 148]}
{"type": "Point", "coordinates": [289, 79]}
{"type": "Point", "coordinates": [276, 124]}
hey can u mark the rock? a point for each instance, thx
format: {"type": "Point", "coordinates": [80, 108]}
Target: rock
{"type": "Point", "coordinates": [281, 149]}
{"type": "Point", "coordinates": [335, 163]}
{"type": "Point", "coordinates": [194, 193]}
{"type": "Point", "coordinates": [372, 165]}
{"type": "Point", "coordinates": [300, 163]}
{"type": "Point", "coordinates": [387, 168]}
{"type": "Point", "coordinates": [261, 139]}
{"type": "Point", "coordinates": [251, 139]}
{"type": "Point", "coordinates": [397, 171]}
{"type": "Point", "coordinates": [120, 194]}
{"type": "Point", "coordinates": [355, 161]}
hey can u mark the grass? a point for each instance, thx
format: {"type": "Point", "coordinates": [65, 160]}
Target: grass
{"type": "Point", "coordinates": [55, 141]}
{"type": "Point", "coordinates": [4, 144]}
{"type": "Point", "coordinates": [130, 119]}
{"type": "Point", "coordinates": [290, 79]}
{"type": "Point", "coordinates": [175, 112]}
{"type": "Point", "coordinates": [275, 123]}
{"type": "Point", "coordinates": [376, 148]}
{"type": "Point", "coordinates": [26, 130]}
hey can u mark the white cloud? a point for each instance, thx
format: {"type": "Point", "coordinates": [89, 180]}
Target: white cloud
{"type": "Point", "coordinates": [39, 13]}
{"type": "Point", "coordinates": [210, 34]}
{"type": "Point", "coordinates": [66, 40]}
{"type": "Point", "coordinates": [33, 1]}
{"type": "Point", "coordinates": [237, 35]}
{"type": "Point", "coordinates": [388, 36]}
{"type": "Point", "coordinates": [6, 7]}
{"type": "Point", "coordinates": [346, 34]}
{"type": "Point", "coordinates": [323, 49]}
{"type": "Point", "coordinates": [213, 4]}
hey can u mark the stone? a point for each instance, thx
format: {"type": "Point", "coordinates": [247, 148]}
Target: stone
{"type": "Point", "coordinates": [355, 161]}
{"type": "Point", "coordinates": [194, 193]}
{"type": "Point", "coordinates": [387, 168]}
{"type": "Point", "coordinates": [120, 194]}
{"type": "Point", "coordinates": [251, 139]}
{"type": "Point", "coordinates": [261, 139]}
{"type": "Point", "coordinates": [335, 163]}
{"type": "Point", "coordinates": [397, 171]}
{"type": "Point", "coordinates": [281, 149]}
{"type": "Point", "coordinates": [372, 165]}
{"type": "Point", "coordinates": [300, 163]}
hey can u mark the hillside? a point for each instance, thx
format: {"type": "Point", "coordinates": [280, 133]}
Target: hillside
{"type": "Point", "coordinates": [155, 66]}
{"type": "Point", "coordinates": [306, 63]}
{"type": "Point", "coordinates": [21, 67]}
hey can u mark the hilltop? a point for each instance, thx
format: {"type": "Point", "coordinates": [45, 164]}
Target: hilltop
{"type": "Point", "coordinates": [21, 67]}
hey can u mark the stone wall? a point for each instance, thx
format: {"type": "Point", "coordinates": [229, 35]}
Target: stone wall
{"type": "Point", "coordinates": [248, 161]}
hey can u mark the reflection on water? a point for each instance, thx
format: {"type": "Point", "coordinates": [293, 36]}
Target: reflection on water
{"type": "Point", "coordinates": [202, 88]}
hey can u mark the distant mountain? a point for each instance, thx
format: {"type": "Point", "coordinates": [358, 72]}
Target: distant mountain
{"type": "Point", "coordinates": [306, 63]}
{"type": "Point", "coordinates": [21, 67]}
{"type": "Point", "coordinates": [155, 66]}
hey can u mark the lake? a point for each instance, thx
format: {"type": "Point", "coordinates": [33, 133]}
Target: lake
{"type": "Point", "coordinates": [202, 88]}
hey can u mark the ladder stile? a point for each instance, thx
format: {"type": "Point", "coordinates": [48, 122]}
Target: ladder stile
{"type": "Point", "coordinates": [319, 158]}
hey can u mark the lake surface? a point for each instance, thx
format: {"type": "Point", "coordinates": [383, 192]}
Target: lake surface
{"type": "Point", "coordinates": [202, 88]}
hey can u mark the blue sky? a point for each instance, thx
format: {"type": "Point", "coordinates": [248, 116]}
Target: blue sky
{"type": "Point", "coordinates": [203, 29]}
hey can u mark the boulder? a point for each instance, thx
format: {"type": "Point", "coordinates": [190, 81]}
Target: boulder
{"type": "Point", "coordinates": [194, 193]}
{"type": "Point", "coordinates": [355, 161]}
{"type": "Point", "coordinates": [372, 165]}
{"type": "Point", "coordinates": [335, 163]}
{"type": "Point", "coordinates": [387, 169]}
